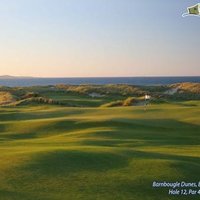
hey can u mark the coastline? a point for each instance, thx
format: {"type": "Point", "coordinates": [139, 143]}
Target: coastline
{"type": "Point", "coordinates": [15, 82]}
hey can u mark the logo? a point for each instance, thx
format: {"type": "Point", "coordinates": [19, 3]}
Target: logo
{"type": "Point", "coordinates": [193, 11]}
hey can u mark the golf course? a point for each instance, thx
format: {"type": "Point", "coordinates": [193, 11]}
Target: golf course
{"type": "Point", "coordinates": [88, 143]}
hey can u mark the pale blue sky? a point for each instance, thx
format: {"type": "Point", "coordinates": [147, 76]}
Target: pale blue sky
{"type": "Point", "coordinates": [89, 38]}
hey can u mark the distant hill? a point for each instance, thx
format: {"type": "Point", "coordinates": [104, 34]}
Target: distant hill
{"type": "Point", "coordinates": [14, 77]}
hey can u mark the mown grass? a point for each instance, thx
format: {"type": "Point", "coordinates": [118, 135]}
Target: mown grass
{"type": "Point", "coordinates": [82, 100]}
{"type": "Point", "coordinates": [57, 153]}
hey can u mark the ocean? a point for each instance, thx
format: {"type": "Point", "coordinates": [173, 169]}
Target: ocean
{"type": "Point", "coordinates": [98, 81]}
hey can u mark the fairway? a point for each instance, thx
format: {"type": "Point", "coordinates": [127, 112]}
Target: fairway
{"type": "Point", "coordinates": [51, 152]}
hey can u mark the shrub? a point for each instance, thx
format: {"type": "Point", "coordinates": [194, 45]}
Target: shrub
{"type": "Point", "coordinates": [113, 104]}
{"type": "Point", "coordinates": [30, 94]}
{"type": "Point", "coordinates": [130, 101]}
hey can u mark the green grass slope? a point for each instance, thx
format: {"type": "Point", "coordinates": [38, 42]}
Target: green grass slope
{"type": "Point", "coordinates": [59, 153]}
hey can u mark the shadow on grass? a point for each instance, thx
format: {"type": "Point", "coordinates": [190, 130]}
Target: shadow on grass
{"type": "Point", "coordinates": [12, 195]}
{"type": "Point", "coordinates": [153, 155]}
{"type": "Point", "coordinates": [10, 116]}
{"type": "Point", "coordinates": [71, 161]}
{"type": "Point", "coordinates": [142, 132]}
{"type": "Point", "coordinates": [136, 132]}
{"type": "Point", "coordinates": [53, 165]}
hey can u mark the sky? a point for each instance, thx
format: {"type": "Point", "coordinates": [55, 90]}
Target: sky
{"type": "Point", "coordinates": [98, 38]}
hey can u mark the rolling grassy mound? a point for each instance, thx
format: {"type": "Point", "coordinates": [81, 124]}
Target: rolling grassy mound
{"type": "Point", "coordinates": [190, 87]}
{"type": "Point", "coordinates": [50, 152]}
{"type": "Point", "coordinates": [6, 98]}
{"type": "Point", "coordinates": [102, 89]}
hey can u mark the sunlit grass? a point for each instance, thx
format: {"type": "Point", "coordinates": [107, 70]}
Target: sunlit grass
{"type": "Point", "coordinates": [52, 152]}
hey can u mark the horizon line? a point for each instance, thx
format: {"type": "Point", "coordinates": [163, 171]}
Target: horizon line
{"type": "Point", "coordinates": [13, 76]}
